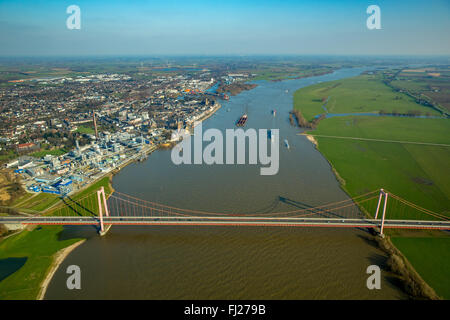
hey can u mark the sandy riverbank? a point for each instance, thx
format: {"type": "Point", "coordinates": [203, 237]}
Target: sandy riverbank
{"type": "Point", "coordinates": [311, 139]}
{"type": "Point", "coordinates": [58, 258]}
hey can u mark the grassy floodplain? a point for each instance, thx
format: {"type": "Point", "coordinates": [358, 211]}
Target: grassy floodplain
{"type": "Point", "coordinates": [431, 258]}
{"type": "Point", "coordinates": [365, 93]}
{"type": "Point", "coordinates": [37, 247]}
{"type": "Point", "coordinates": [288, 73]}
{"type": "Point", "coordinates": [415, 172]}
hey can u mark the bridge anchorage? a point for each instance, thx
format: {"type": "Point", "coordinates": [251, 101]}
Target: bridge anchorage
{"type": "Point", "coordinates": [370, 210]}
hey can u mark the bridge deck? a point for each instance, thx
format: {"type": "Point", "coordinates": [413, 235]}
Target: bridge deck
{"type": "Point", "coordinates": [226, 221]}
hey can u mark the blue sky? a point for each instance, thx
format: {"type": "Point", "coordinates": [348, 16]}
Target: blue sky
{"type": "Point", "coordinates": [212, 27]}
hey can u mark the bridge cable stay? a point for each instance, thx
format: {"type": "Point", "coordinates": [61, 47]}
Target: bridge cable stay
{"type": "Point", "coordinates": [107, 208]}
{"type": "Point", "coordinates": [311, 211]}
{"type": "Point", "coordinates": [119, 196]}
{"type": "Point", "coordinates": [424, 210]}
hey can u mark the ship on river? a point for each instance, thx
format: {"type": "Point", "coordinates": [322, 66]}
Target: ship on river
{"type": "Point", "coordinates": [242, 120]}
{"type": "Point", "coordinates": [286, 143]}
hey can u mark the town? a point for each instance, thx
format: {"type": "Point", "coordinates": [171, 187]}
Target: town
{"type": "Point", "coordinates": [60, 134]}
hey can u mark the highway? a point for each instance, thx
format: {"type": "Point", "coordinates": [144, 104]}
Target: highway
{"type": "Point", "coordinates": [226, 221]}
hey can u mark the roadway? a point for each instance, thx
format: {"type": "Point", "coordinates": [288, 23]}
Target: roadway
{"type": "Point", "coordinates": [227, 221]}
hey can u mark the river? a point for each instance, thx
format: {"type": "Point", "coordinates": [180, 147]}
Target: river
{"type": "Point", "coordinates": [231, 262]}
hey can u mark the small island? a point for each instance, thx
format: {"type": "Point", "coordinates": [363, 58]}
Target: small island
{"type": "Point", "coordinates": [235, 87]}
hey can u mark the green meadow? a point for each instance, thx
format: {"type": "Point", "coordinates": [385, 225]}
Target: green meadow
{"type": "Point", "coordinates": [365, 93]}
{"type": "Point", "coordinates": [37, 247]}
{"type": "Point", "coordinates": [415, 172]}
{"type": "Point", "coordinates": [431, 259]}
{"type": "Point", "coordinates": [85, 130]}
{"type": "Point", "coordinates": [40, 202]}
{"type": "Point", "coordinates": [419, 173]}
{"type": "Point", "coordinates": [43, 153]}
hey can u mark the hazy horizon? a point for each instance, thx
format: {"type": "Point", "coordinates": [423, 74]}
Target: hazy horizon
{"type": "Point", "coordinates": [234, 28]}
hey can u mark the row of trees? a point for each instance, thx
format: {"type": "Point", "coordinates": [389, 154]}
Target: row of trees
{"type": "Point", "coordinates": [302, 122]}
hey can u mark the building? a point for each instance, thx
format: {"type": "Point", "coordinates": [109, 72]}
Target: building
{"type": "Point", "coordinates": [28, 147]}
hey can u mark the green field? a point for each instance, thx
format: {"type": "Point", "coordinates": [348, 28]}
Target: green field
{"type": "Point", "coordinates": [38, 247]}
{"type": "Point", "coordinates": [431, 84]}
{"type": "Point", "coordinates": [43, 153]}
{"type": "Point", "coordinates": [288, 73]}
{"type": "Point", "coordinates": [431, 259]}
{"type": "Point", "coordinates": [86, 130]}
{"type": "Point", "coordinates": [40, 202]}
{"type": "Point", "coordinates": [415, 172]}
{"type": "Point", "coordinates": [365, 93]}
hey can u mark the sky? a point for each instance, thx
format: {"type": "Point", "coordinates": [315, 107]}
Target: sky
{"type": "Point", "coordinates": [217, 27]}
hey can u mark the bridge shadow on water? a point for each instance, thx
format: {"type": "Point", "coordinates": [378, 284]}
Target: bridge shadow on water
{"type": "Point", "coordinates": [310, 210]}
{"type": "Point", "coordinates": [303, 208]}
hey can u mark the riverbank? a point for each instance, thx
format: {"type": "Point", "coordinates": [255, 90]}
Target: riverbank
{"type": "Point", "coordinates": [58, 258]}
{"type": "Point", "coordinates": [38, 247]}
{"type": "Point", "coordinates": [413, 283]}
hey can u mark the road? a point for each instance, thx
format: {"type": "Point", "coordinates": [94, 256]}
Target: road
{"type": "Point", "coordinates": [228, 221]}
{"type": "Point", "coordinates": [378, 140]}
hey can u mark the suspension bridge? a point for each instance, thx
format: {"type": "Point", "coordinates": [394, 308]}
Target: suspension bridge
{"type": "Point", "coordinates": [377, 209]}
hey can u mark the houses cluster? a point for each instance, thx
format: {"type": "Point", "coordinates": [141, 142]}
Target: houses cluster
{"type": "Point", "coordinates": [131, 115]}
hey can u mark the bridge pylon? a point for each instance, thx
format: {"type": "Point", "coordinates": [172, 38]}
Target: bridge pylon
{"type": "Point", "coordinates": [101, 197]}
{"type": "Point", "coordinates": [380, 198]}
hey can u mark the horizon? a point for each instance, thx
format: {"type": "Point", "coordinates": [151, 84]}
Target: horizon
{"type": "Point", "coordinates": [248, 28]}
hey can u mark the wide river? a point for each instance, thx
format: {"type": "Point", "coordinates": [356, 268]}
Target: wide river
{"type": "Point", "coordinates": [231, 262]}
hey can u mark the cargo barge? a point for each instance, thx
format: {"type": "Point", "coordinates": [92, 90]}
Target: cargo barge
{"type": "Point", "coordinates": [242, 120]}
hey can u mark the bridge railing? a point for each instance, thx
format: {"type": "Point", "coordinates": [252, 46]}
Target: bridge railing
{"type": "Point", "coordinates": [365, 205]}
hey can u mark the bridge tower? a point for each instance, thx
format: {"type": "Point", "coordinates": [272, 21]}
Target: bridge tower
{"type": "Point", "coordinates": [101, 197]}
{"type": "Point", "coordinates": [380, 198]}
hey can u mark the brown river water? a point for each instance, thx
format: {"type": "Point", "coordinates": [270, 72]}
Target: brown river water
{"type": "Point", "coordinates": [216, 262]}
